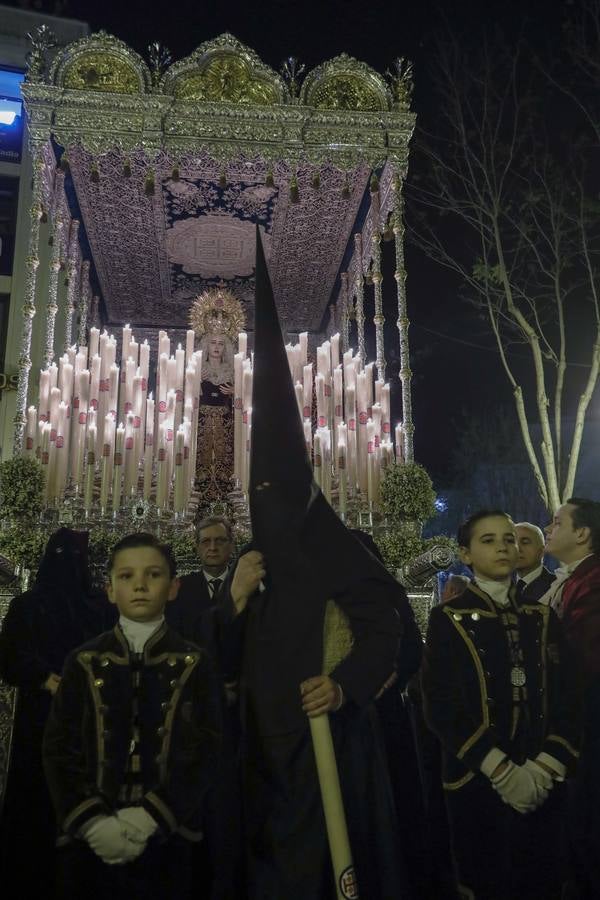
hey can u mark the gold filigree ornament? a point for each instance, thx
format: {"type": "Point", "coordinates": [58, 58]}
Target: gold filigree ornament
{"type": "Point", "coordinates": [217, 311]}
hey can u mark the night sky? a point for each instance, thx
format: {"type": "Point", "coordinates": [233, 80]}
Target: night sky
{"type": "Point", "coordinates": [455, 367]}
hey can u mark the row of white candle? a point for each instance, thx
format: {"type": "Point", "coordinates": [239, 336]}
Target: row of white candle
{"type": "Point", "coordinates": [74, 429]}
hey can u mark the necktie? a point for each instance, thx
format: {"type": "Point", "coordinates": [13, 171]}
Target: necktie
{"type": "Point", "coordinates": [215, 587]}
{"type": "Point", "coordinates": [521, 585]}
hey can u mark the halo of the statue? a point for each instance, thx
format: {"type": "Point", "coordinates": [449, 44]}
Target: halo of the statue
{"type": "Point", "coordinates": [217, 311]}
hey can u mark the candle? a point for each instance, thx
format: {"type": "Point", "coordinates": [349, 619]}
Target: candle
{"type": "Point", "coordinates": [317, 459]}
{"type": "Point", "coordinates": [171, 374]}
{"type": "Point", "coordinates": [134, 351]}
{"type": "Point", "coordinates": [179, 373]}
{"type": "Point", "coordinates": [113, 389]}
{"type": "Point", "coordinates": [108, 446]}
{"type": "Point", "coordinates": [103, 348]}
{"type": "Point", "coordinates": [370, 461]}
{"type": "Point", "coordinates": [377, 425]}
{"type": "Point", "coordinates": [53, 370]}
{"type": "Point", "coordinates": [45, 457]}
{"type": "Point", "coordinates": [66, 383]}
{"type": "Point", "coordinates": [335, 351]}
{"type": "Point", "coordinates": [55, 399]}
{"type": "Point", "coordinates": [299, 388]}
{"type": "Point", "coordinates": [190, 337]}
{"type": "Point", "coordinates": [308, 390]}
{"type": "Point", "coordinates": [148, 447]}
{"type": "Point", "coordinates": [145, 362]}
{"type": "Point", "coordinates": [352, 434]}
{"type": "Point", "coordinates": [342, 444]}
{"type": "Point", "coordinates": [362, 418]}
{"type": "Point", "coordinates": [125, 343]}
{"type": "Point", "coordinates": [321, 402]}
{"type": "Point", "coordinates": [118, 467]}
{"type": "Point", "coordinates": [94, 382]}
{"type": "Point", "coordinates": [307, 425]}
{"type": "Point", "coordinates": [248, 436]}
{"type": "Point", "coordinates": [178, 500]}
{"type": "Point", "coordinates": [161, 476]}
{"type": "Point", "coordinates": [30, 435]}
{"type": "Point", "coordinates": [162, 386]}
{"type": "Point", "coordinates": [325, 436]}
{"type": "Point", "coordinates": [94, 341]}
{"type": "Point", "coordinates": [369, 387]}
{"type": "Point", "coordinates": [90, 468]}
{"type": "Point", "coordinates": [243, 344]}
{"type": "Point", "coordinates": [80, 417]}
{"type": "Point", "coordinates": [188, 414]}
{"type": "Point", "coordinates": [44, 396]}
{"type": "Point", "coordinates": [238, 362]}
{"type": "Point", "coordinates": [130, 461]}
{"type": "Point", "coordinates": [60, 458]}
{"type": "Point", "coordinates": [164, 344]}
{"type": "Point", "coordinates": [385, 412]}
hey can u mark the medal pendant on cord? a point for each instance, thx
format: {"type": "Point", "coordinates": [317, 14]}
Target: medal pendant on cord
{"type": "Point", "coordinates": [517, 676]}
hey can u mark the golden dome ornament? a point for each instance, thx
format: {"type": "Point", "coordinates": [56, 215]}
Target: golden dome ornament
{"type": "Point", "coordinates": [217, 311]}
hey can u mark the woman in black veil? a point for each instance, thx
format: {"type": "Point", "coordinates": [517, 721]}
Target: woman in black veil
{"type": "Point", "coordinates": [58, 613]}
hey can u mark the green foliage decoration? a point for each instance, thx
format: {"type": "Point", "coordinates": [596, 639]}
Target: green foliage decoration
{"type": "Point", "coordinates": [21, 488]}
{"type": "Point", "coordinates": [23, 545]}
{"type": "Point", "coordinates": [399, 545]}
{"type": "Point", "coordinates": [407, 494]}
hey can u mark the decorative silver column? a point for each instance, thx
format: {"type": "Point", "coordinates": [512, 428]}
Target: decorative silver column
{"type": "Point", "coordinates": [360, 298]}
{"type": "Point", "coordinates": [378, 318]}
{"type": "Point", "coordinates": [31, 263]}
{"type": "Point", "coordinates": [84, 302]}
{"type": "Point", "coordinates": [72, 275]}
{"type": "Point", "coordinates": [345, 318]}
{"type": "Point", "coordinates": [402, 321]}
{"type": "Point", "coordinates": [59, 227]}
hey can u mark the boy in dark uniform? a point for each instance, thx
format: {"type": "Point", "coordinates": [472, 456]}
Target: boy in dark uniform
{"type": "Point", "coordinates": [132, 741]}
{"type": "Point", "coordinates": [499, 695]}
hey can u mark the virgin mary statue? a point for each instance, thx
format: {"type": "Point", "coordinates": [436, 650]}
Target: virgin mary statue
{"type": "Point", "coordinates": [217, 318]}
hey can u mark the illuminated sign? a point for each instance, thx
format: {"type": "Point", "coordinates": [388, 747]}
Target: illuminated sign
{"type": "Point", "coordinates": [11, 116]}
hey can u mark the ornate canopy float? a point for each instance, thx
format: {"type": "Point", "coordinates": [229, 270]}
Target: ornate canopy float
{"type": "Point", "coordinates": [153, 177]}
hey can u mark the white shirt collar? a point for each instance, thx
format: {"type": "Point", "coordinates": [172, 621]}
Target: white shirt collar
{"type": "Point", "coordinates": [531, 576]}
{"type": "Point", "coordinates": [137, 634]}
{"type": "Point", "coordinates": [210, 578]}
{"type": "Point", "coordinates": [497, 590]}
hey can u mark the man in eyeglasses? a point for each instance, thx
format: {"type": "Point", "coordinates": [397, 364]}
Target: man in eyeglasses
{"type": "Point", "coordinates": [200, 591]}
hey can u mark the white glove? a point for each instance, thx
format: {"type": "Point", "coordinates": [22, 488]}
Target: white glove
{"type": "Point", "coordinates": [137, 824]}
{"type": "Point", "coordinates": [543, 779]}
{"type": "Point", "coordinates": [517, 787]}
{"type": "Point", "coordinates": [106, 837]}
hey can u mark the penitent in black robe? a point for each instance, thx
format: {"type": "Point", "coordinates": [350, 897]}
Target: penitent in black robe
{"type": "Point", "coordinates": [42, 626]}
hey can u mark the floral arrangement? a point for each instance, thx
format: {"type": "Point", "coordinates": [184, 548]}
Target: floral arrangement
{"type": "Point", "coordinates": [407, 494]}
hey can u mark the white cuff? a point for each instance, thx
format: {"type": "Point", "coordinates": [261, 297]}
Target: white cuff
{"type": "Point", "coordinates": [342, 698]}
{"type": "Point", "coordinates": [559, 770]}
{"type": "Point", "coordinates": [492, 760]}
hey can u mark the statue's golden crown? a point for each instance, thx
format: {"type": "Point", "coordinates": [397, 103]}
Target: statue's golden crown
{"type": "Point", "coordinates": [217, 311]}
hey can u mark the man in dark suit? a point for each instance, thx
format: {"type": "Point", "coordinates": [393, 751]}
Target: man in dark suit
{"type": "Point", "coordinates": [199, 591]}
{"type": "Point", "coordinates": [195, 614]}
{"type": "Point", "coordinates": [573, 537]}
{"type": "Point", "coordinates": [533, 578]}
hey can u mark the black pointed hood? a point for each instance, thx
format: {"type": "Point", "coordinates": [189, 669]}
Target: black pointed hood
{"type": "Point", "coordinates": [291, 519]}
